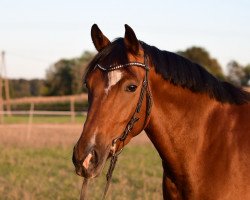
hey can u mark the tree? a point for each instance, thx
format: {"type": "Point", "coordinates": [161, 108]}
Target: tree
{"type": "Point", "coordinates": [200, 56]}
{"type": "Point", "coordinates": [59, 78]}
{"type": "Point", "coordinates": [19, 88]}
{"type": "Point", "coordinates": [246, 80]}
{"type": "Point", "coordinates": [236, 73]}
{"type": "Point", "coordinates": [25, 88]}
{"type": "Point", "coordinates": [37, 87]}
{"type": "Point", "coordinates": [65, 76]}
{"type": "Point", "coordinates": [78, 71]}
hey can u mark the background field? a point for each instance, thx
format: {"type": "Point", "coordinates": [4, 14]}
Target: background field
{"type": "Point", "coordinates": [40, 119]}
{"type": "Point", "coordinates": [40, 167]}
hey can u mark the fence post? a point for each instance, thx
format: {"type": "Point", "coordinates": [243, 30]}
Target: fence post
{"type": "Point", "coordinates": [6, 85]}
{"type": "Point", "coordinates": [30, 120]}
{"type": "Point", "coordinates": [1, 95]}
{"type": "Point", "coordinates": [72, 109]}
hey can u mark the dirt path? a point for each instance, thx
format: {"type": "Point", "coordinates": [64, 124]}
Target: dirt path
{"type": "Point", "coordinates": [46, 135]}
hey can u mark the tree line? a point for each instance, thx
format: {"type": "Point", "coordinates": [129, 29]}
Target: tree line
{"type": "Point", "coordinates": [65, 76]}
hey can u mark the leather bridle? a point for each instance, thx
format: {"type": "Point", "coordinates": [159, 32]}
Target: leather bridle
{"type": "Point", "coordinates": [144, 92]}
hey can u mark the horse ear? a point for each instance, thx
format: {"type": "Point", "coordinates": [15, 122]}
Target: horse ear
{"type": "Point", "coordinates": [131, 41]}
{"type": "Point", "coordinates": [100, 41]}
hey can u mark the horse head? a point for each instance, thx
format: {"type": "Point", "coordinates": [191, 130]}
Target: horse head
{"type": "Point", "coordinates": [118, 95]}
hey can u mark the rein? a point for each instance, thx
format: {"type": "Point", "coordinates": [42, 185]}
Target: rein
{"type": "Point", "coordinates": [129, 126]}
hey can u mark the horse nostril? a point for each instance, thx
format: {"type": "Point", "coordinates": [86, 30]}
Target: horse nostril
{"type": "Point", "coordinates": [91, 159]}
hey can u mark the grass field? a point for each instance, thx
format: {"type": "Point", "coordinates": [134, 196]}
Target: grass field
{"type": "Point", "coordinates": [47, 173]}
{"type": "Point", "coordinates": [41, 169]}
{"type": "Point", "coordinates": [40, 119]}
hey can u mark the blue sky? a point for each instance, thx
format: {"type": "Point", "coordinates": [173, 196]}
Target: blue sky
{"type": "Point", "coordinates": [35, 34]}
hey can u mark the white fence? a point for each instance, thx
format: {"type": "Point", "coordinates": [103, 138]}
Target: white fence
{"type": "Point", "coordinates": [37, 100]}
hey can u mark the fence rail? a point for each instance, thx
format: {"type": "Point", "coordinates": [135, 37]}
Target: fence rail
{"type": "Point", "coordinates": [28, 100]}
{"type": "Point", "coordinates": [38, 100]}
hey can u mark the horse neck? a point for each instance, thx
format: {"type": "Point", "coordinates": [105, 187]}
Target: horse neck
{"type": "Point", "coordinates": [177, 120]}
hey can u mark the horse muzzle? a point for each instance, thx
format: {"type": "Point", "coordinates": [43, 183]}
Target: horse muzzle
{"type": "Point", "coordinates": [87, 165]}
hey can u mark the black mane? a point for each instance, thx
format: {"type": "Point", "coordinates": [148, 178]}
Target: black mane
{"type": "Point", "coordinates": [183, 72]}
{"type": "Point", "coordinates": [177, 70]}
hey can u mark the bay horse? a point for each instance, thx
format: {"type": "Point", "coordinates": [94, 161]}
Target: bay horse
{"type": "Point", "coordinates": [198, 124]}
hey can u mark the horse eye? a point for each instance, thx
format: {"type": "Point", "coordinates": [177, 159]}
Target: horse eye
{"type": "Point", "coordinates": [131, 88]}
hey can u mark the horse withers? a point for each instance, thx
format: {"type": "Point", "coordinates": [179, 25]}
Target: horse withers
{"type": "Point", "coordinates": [198, 124]}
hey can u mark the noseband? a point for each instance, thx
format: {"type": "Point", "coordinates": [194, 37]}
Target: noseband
{"type": "Point", "coordinates": [132, 121]}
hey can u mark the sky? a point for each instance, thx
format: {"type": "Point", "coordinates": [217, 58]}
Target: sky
{"type": "Point", "coordinates": [35, 34]}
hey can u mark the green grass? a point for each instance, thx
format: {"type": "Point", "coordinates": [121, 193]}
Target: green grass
{"type": "Point", "coordinates": [42, 119]}
{"type": "Point", "coordinates": [48, 173]}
